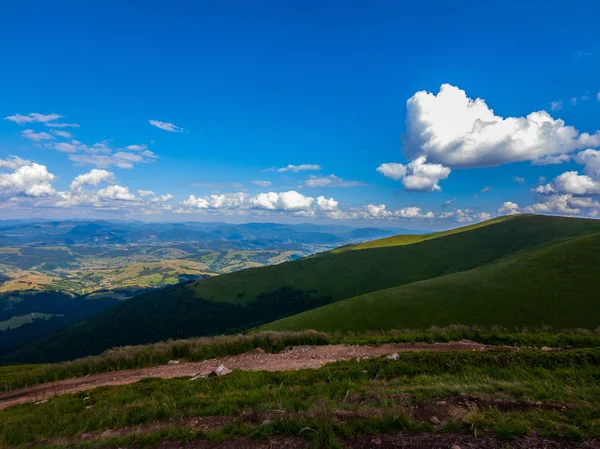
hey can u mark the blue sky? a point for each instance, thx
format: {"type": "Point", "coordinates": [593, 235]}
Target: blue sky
{"type": "Point", "coordinates": [240, 90]}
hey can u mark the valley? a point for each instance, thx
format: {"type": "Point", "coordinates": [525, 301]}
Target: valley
{"type": "Point", "coordinates": [481, 336]}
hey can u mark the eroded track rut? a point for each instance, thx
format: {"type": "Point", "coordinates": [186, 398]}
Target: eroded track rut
{"type": "Point", "coordinates": [296, 358]}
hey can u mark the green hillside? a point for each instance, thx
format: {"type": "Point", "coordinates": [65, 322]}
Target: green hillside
{"type": "Point", "coordinates": [409, 239]}
{"type": "Point", "coordinates": [556, 286]}
{"type": "Point", "coordinates": [251, 297]}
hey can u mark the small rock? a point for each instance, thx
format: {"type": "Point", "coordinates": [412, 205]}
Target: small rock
{"type": "Point", "coordinates": [220, 371]}
{"type": "Point", "coordinates": [174, 362]}
{"type": "Point", "coordinates": [441, 402]}
{"type": "Point", "coordinates": [434, 420]}
{"type": "Point", "coordinates": [87, 398]}
{"type": "Point", "coordinates": [199, 376]}
{"type": "Point", "coordinates": [88, 407]}
{"type": "Point", "coordinates": [364, 371]}
{"type": "Point", "coordinates": [41, 402]}
{"type": "Point", "coordinates": [259, 351]}
{"type": "Point", "coordinates": [376, 442]}
{"type": "Point", "coordinates": [393, 356]}
{"type": "Point", "coordinates": [455, 446]}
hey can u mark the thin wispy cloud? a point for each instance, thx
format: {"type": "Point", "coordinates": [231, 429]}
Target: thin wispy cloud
{"type": "Point", "coordinates": [166, 126]}
{"type": "Point", "coordinates": [36, 137]}
{"type": "Point", "coordinates": [65, 134]}
{"type": "Point", "coordinates": [330, 181]}
{"type": "Point", "coordinates": [62, 125]}
{"type": "Point", "coordinates": [262, 183]}
{"type": "Point", "coordinates": [33, 117]}
{"type": "Point", "coordinates": [298, 168]}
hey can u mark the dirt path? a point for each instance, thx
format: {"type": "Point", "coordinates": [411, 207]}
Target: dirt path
{"type": "Point", "coordinates": [295, 358]}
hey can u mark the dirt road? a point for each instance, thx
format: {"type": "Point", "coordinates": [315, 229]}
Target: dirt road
{"type": "Point", "coordinates": [295, 358]}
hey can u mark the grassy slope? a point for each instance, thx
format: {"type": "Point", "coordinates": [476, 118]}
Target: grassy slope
{"type": "Point", "coordinates": [556, 286]}
{"type": "Point", "coordinates": [353, 273]}
{"type": "Point", "coordinates": [409, 239]}
{"type": "Point", "coordinates": [380, 392]}
{"type": "Point", "coordinates": [196, 308]}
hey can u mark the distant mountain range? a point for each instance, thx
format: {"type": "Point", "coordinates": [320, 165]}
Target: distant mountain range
{"type": "Point", "coordinates": [217, 236]}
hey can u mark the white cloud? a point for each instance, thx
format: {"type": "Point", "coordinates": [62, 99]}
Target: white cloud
{"type": "Point", "coordinates": [297, 168]}
{"type": "Point", "coordinates": [457, 131]}
{"type": "Point", "coordinates": [573, 183]}
{"type": "Point", "coordinates": [36, 137]}
{"type": "Point", "coordinates": [93, 178]}
{"type": "Point", "coordinates": [13, 162]}
{"type": "Point", "coordinates": [327, 205]}
{"type": "Point", "coordinates": [140, 147]}
{"type": "Point", "coordinates": [392, 170]}
{"type": "Point", "coordinates": [165, 126]}
{"type": "Point", "coordinates": [486, 189]}
{"type": "Point", "coordinates": [33, 117]}
{"type": "Point", "coordinates": [262, 183]}
{"type": "Point", "coordinates": [145, 193]}
{"type": "Point", "coordinates": [197, 203]}
{"type": "Point", "coordinates": [598, 96]}
{"type": "Point", "coordinates": [270, 202]}
{"type": "Point", "coordinates": [518, 179]}
{"type": "Point", "coordinates": [380, 211]}
{"type": "Point", "coordinates": [377, 211]}
{"type": "Point", "coordinates": [62, 125]}
{"type": "Point", "coordinates": [591, 160]}
{"type": "Point", "coordinates": [65, 134]}
{"type": "Point", "coordinates": [224, 201]}
{"type": "Point", "coordinates": [508, 208]}
{"type": "Point", "coordinates": [449, 202]}
{"type": "Point", "coordinates": [559, 204]}
{"type": "Point", "coordinates": [29, 179]}
{"type": "Point", "coordinates": [418, 175]}
{"type": "Point", "coordinates": [283, 201]}
{"type": "Point", "coordinates": [119, 159]}
{"type": "Point", "coordinates": [116, 192]}
{"type": "Point", "coordinates": [552, 160]}
{"type": "Point", "coordinates": [329, 181]}
{"type": "Point", "coordinates": [408, 212]}
{"type": "Point", "coordinates": [574, 101]}
{"type": "Point", "coordinates": [556, 105]}
{"type": "Point", "coordinates": [65, 147]}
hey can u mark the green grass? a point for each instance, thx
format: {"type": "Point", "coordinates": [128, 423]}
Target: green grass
{"type": "Point", "coordinates": [196, 349]}
{"type": "Point", "coordinates": [382, 389]}
{"type": "Point", "coordinates": [131, 357]}
{"type": "Point", "coordinates": [409, 239]}
{"type": "Point", "coordinates": [221, 304]}
{"type": "Point", "coordinates": [556, 286]}
{"type": "Point", "coordinates": [20, 320]}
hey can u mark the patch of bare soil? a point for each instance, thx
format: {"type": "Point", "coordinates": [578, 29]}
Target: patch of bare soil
{"type": "Point", "coordinates": [459, 408]}
{"type": "Point", "coordinates": [453, 441]}
{"type": "Point", "coordinates": [295, 358]}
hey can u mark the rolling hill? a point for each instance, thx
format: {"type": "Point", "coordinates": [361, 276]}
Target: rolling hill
{"type": "Point", "coordinates": [555, 286]}
{"type": "Point", "coordinates": [479, 274]}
